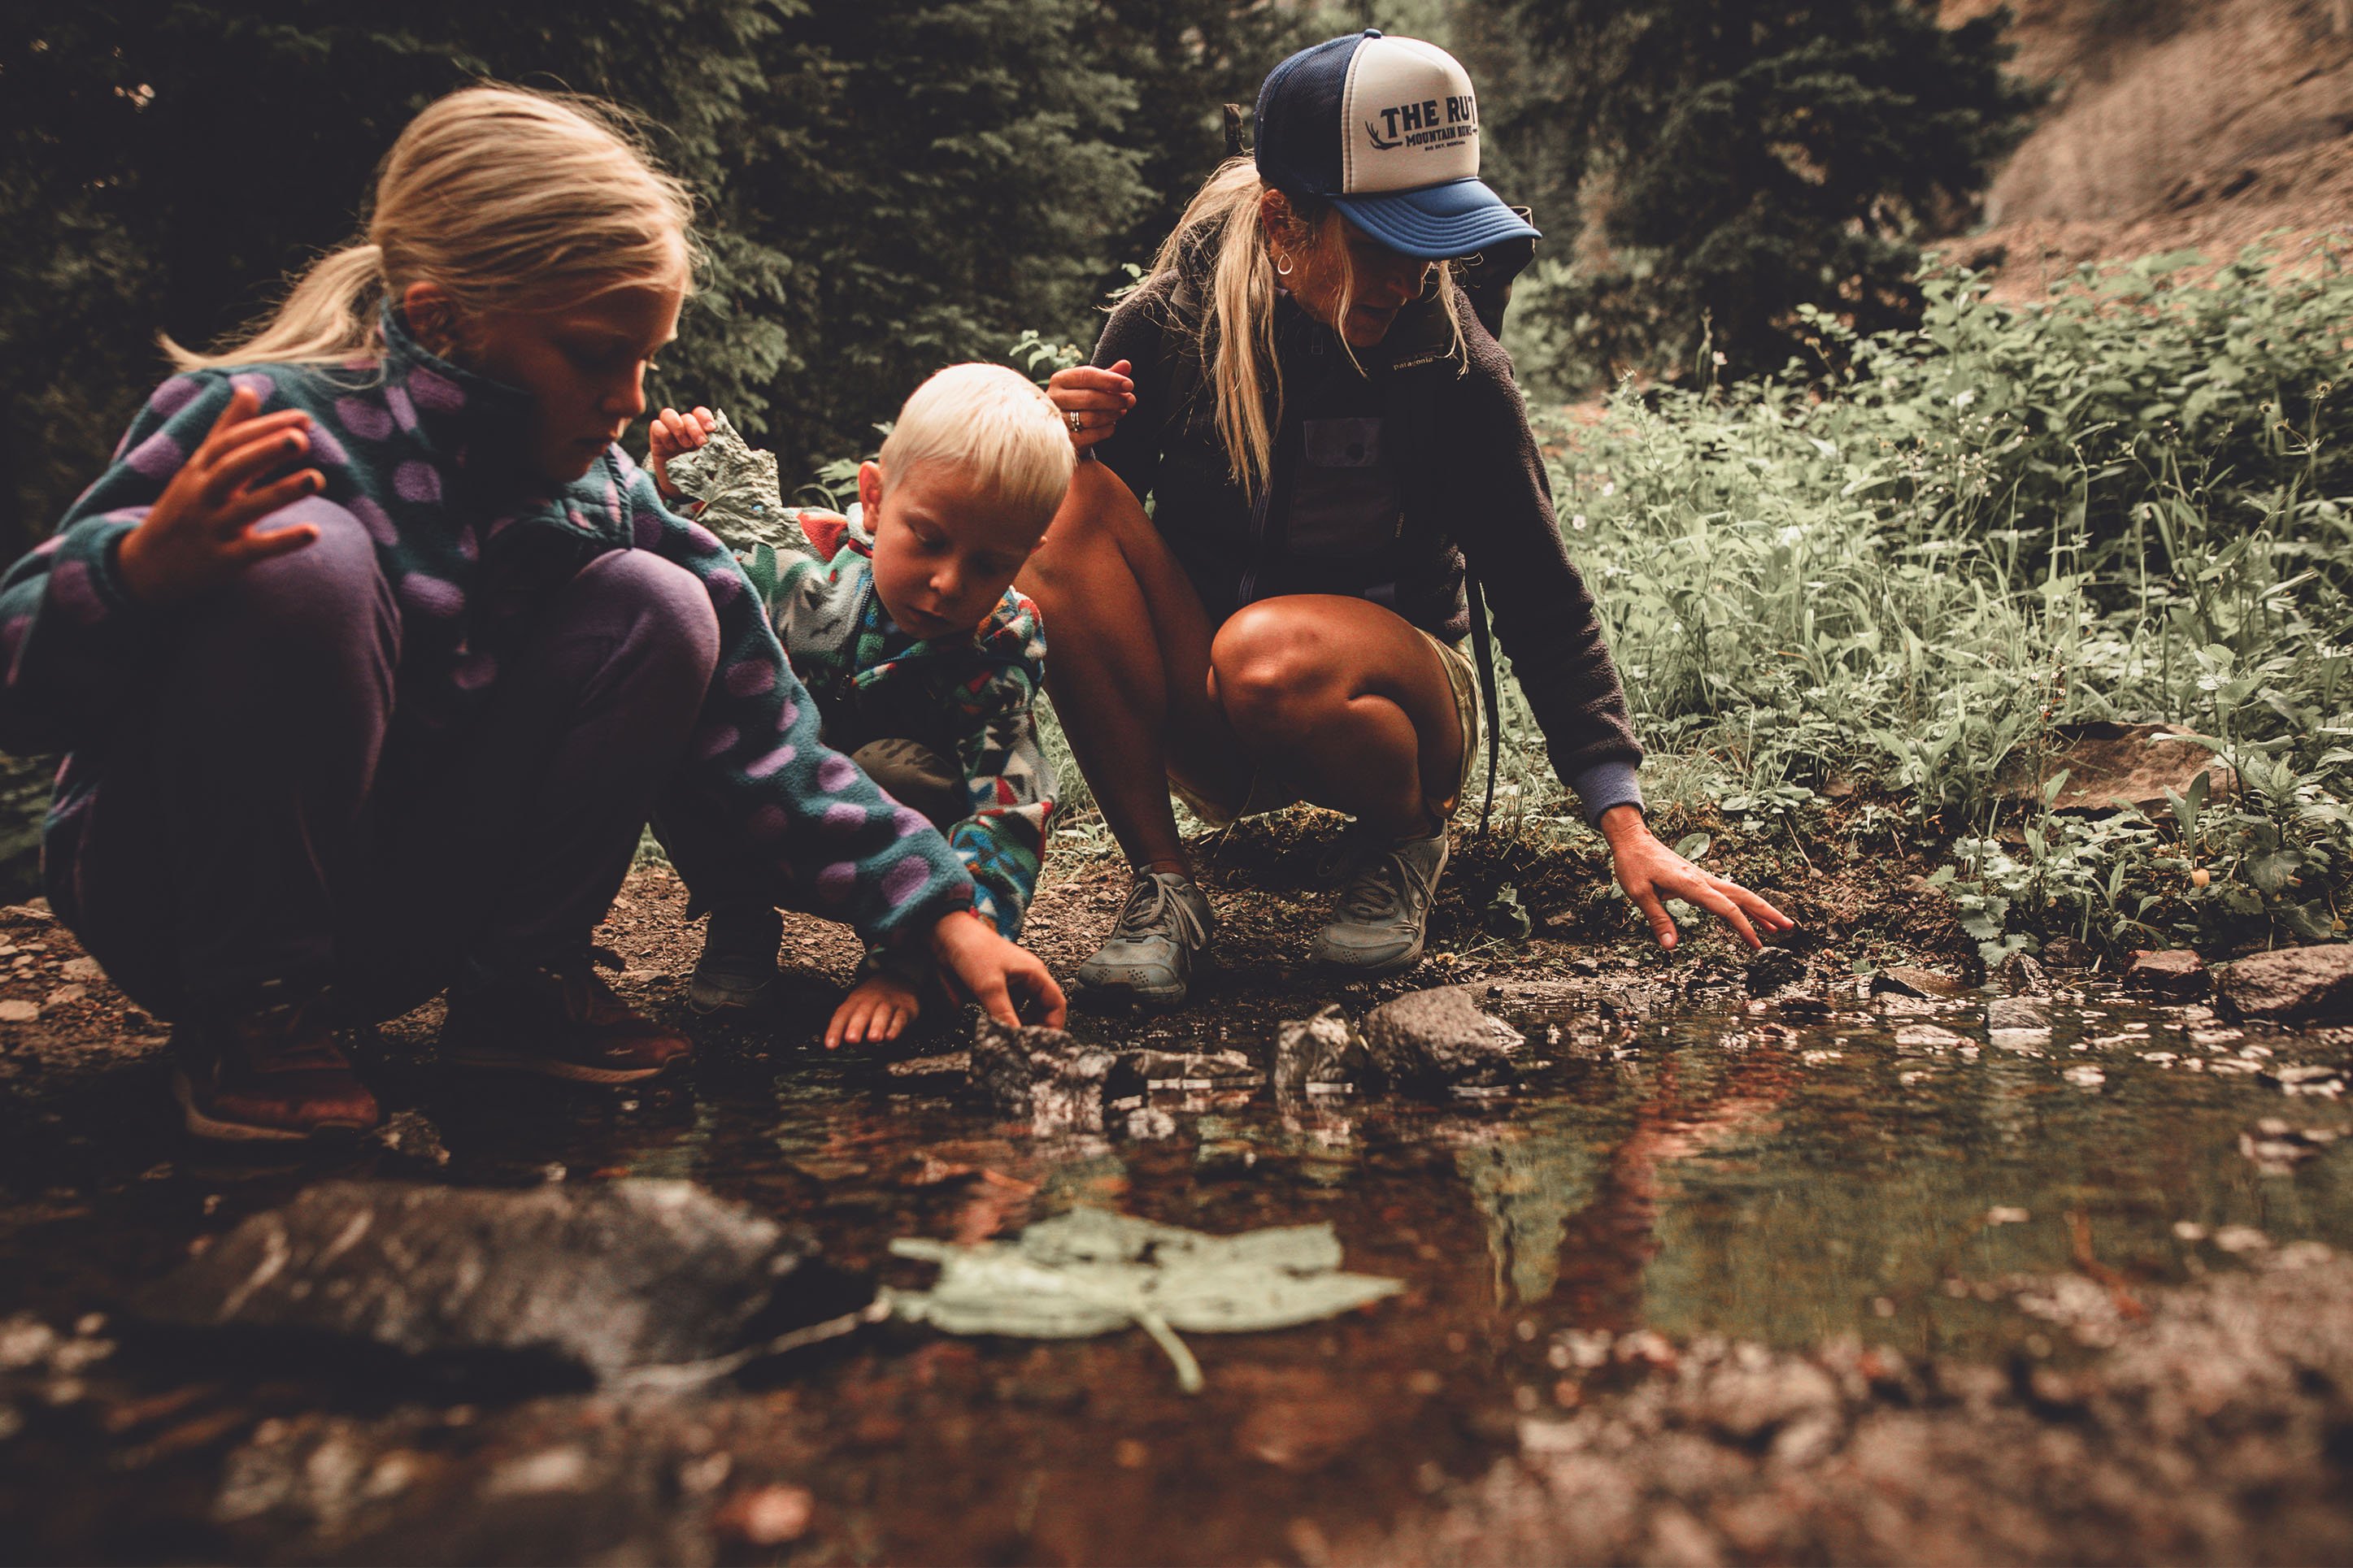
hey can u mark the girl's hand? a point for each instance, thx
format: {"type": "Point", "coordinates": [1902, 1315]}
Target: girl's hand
{"type": "Point", "coordinates": [878, 1008]}
{"type": "Point", "coordinates": [993, 971]}
{"type": "Point", "coordinates": [203, 529]}
{"type": "Point", "coordinates": [1651, 873]}
{"type": "Point", "coordinates": [1096, 398]}
{"type": "Point", "coordinates": [673, 432]}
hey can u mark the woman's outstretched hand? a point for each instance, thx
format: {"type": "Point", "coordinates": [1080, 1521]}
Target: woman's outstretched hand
{"type": "Point", "coordinates": [1651, 874]}
{"type": "Point", "coordinates": [672, 434]}
{"type": "Point", "coordinates": [994, 972]}
{"type": "Point", "coordinates": [205, 527]}
{"type": "Point", "coordinates": [1092, 401]}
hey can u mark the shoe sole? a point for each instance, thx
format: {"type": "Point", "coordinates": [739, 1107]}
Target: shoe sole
{"type": "Point", "coordinates": [1373, 971]}
{"type": "Point", "coordinates": [548, 1067]}
{"type": "Point", "coordinates": [200, 1125]}
{"type": "Point", "coordinates": [1107, 993]}
{"type": "Point", "coordinates": [706, 1005]}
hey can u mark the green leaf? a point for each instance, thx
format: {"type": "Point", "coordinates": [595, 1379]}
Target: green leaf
{"type": "Point", "coordinates": [1091, 1272]}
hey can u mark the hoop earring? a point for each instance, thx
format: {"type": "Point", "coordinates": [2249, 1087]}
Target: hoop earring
{"type": "Point", "coordinates": [1283, 264]}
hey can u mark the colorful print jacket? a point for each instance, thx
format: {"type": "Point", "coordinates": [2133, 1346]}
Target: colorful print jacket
{"type": "Point", "coordinates": [419, 452]}
{"type": "Point", "coordinates": [968, 699]}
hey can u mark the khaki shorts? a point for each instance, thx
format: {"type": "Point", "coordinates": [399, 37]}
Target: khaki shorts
{"type": "Point", "coordinates": [1264, 795]}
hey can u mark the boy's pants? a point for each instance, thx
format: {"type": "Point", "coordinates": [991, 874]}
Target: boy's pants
{"type": "Point", "coordinates": [236, 837]}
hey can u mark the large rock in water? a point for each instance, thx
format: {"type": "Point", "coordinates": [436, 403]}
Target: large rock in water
{"type": "Point", "coordinates": [597, 1278]}
{"type": "Point", "coordinates": [1440, 1039]}
{"type": "Point", "coordinates": [1055, 1081]}
{"type": "Point", "coordinates": [2290, 985]}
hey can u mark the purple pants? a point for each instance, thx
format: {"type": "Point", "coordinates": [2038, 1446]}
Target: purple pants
{"type": "Point", "coordinates": [237, 837]}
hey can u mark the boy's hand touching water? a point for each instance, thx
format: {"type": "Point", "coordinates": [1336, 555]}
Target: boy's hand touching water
{"type": "Point", "coordinates": [671, 434]}
{"type": "Point", "coordinates": [878, 1008]}
{"type": "Point", "coordinates": [997, 974]}
{"type": "Point", "coordinates": [202, 531]}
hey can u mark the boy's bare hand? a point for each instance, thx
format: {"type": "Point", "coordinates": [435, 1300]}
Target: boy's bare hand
{"type": "Point", "coordinates": [994, 972]}
{"type": "Point", "coordinates": [1095, 399]}
{"type": "Point", "coordinates": [673, 432]}
{"type": "Point", "coordinates": [878, 1008]}
{"type": "Point", "coordinates": [204, 528]}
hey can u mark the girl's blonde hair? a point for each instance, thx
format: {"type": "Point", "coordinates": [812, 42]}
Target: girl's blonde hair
{"type": "Point", "coordinates": [994, 422]}
{"type": "Point", "coordinates": [507, 199]}
{"type": "Point", "coordinates": [1236, 329]}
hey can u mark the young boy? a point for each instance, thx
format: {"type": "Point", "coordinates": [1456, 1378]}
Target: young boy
{"type": "Point", "coordinates": [901, 621]}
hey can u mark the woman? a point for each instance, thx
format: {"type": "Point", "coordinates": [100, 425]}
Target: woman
{"type": "Point", "coordinates": [1328, 432]}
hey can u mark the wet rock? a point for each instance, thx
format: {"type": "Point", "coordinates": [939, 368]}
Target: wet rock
{"type": "Point", "coordinates": [1440, 1039]}
{"type": "Point", "coordinates": [1774, 969]}
{"type": "Point", "coordinates": [1907, 980]}
{"type": "Point", "coordinates": [2277, 1148]}
{"type": "Point", "coordinates": [2290, 985]}
{"type": "Point", "coordinates": [2106, 761]}
{"type": "Point", "coordinates": [595, 1278]}
{"type": "Point", "coordinates": [1757, 1396]}
{"type": "Point", "coordinates": [2018, 1013]}
{"type": "Point", "coordinates": [1194, 1069]}
{"type": "Point", "coordinates": [2020, 975]}
{"type": "Point", "coordinates": [1322, 1055]}
{"type": "Point", "coordinates": [1051, 1079]}
{"type": "Point", "coordinates": [766, 1516]}
{"type": "Point", "coordinates": [2174, 972]}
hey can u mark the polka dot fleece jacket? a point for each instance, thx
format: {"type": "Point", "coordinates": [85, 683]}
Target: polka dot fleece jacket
{"type": "Point", "coordinates": [419, 452]}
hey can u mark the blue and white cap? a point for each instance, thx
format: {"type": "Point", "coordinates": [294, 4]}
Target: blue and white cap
{"type": "Point", "coordinates": [1387, 130]}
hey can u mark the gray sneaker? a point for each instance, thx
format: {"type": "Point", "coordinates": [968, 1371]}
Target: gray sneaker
{"type": "Point", "coordinates": [739, 960]}
{"type": "Point", "coordinates": [1379, 922]}
{"type": "Point", "coordinates": [1149, 955]}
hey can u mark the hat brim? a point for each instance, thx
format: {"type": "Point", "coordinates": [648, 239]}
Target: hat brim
{"type": "Point", "coordinates": [1437, 223]}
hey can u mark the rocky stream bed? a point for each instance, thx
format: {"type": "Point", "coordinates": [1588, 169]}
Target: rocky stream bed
{"type": "Point", "coordinates": [1717, 1262]}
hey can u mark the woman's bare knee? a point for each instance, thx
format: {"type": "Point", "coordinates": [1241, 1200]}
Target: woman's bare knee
{"type": "Point", "coordinates": [1269, 668]}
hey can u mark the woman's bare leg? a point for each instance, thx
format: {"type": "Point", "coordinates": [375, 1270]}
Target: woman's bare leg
{"type": "Point", "coordinates": [1346, 703]}
{"type": "Point", "coordinates": [1128, 667]}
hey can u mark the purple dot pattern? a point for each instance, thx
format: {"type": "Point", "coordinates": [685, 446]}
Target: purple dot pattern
{"type": "Point", "coordinates": [465, 587]}
{"type": "Point", "coordinates": [364, 420]}
{"type": "Point", "coordinates": [157, 458]}
{"type": "Point", "coordinates": [418, 481]}
{"type": "Point", "coordinates": [253, 381]}
{"type": "Point", "coordinates": [429, 595]}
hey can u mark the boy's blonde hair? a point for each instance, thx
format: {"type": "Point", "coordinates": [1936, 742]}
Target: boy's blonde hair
{"type": "Point", "coordinates": [995, 421]}
{"type": "Point", "coordinates": [507, 199]}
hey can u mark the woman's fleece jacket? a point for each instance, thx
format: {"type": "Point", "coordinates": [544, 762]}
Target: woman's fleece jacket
{"type": "Point", "coordinates": [423, 454]}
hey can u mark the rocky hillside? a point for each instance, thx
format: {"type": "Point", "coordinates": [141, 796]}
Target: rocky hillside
{"type": "Point", "coordinates": [2172, 124]}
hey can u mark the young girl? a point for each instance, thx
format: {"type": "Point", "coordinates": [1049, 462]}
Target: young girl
{"type": "Point", "coordinates": [372, 654]}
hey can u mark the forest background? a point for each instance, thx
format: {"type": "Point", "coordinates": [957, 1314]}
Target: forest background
{"type": "Point", "coordinates": [1873, 531]}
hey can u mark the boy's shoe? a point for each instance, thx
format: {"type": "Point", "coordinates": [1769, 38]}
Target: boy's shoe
{"type": "Point", "coordinates": [1383, 912]}
{"type": "Point", "coordinates": [1149, 955]}
{"type": "Point", "coordinates": [562, 1021]}
{"type": "Point", "coordinates": [274, 1075]}
{"type": "Point", "coordinates": [738, 964]}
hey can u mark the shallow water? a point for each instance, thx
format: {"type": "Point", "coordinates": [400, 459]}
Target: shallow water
{"type": "Point", "coordinates": [1708, 1172]}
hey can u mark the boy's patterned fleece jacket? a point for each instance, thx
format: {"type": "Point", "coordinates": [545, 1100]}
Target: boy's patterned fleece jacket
{"type": "Point", "coordinates": [422, 453]}
{"type": "Point", "coordinates": [969, 698]}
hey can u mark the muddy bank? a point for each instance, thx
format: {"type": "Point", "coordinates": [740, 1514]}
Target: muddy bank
{"type": "Point", "coordinates": [1747, 1262]}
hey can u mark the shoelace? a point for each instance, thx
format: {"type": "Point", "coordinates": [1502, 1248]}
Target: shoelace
{"type": "Point", "coordinates": [1376, 892]}
{"type": "Point", "coordinates": [1143, 915]}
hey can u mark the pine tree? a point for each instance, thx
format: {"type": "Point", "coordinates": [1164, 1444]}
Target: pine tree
{"type": "Point", "coordinates": [1736, 159]}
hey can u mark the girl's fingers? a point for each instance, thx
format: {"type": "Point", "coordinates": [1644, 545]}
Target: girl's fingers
{"type": "Point", "coordinates": [241, 407]}
{"type": "Point", "coordinates": [706, 419]}
{"type": "Point", "coordinates": [260, 544]}
{"type": "Point", "coordinates": [244, 464]}
{"type": "Point", "coordinates": [225, 445]}
{"type": "Point", "coordinates": [241, 512]}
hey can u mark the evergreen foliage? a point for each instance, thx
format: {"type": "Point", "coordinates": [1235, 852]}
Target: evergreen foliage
{"type": "Point", "coordinates": [886, 186]}
{"type": "Point", "coordinates": [1736, 159]}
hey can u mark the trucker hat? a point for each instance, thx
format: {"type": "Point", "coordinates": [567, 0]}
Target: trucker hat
{"type": "Point", "coordinates": [1386, 129]}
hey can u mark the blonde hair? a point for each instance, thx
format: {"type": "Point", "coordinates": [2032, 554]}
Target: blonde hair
{"type": "Point", "coordinates": [506, 199]}
{"type": "Point", "coordinates": [993, 420]}
{"type": "Point", "coordinates": [1236, 331]}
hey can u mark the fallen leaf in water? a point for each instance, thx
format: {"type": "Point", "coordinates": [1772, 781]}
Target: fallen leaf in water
{"type": "Point", "coordinates": [1091, 1272]}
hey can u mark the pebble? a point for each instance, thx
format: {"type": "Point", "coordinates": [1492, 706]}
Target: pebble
{"type": "Point", "coordinates": [2085, 1076]}
{"type": "Point", "coordinates": [16, 1011]}
{"type": "Point", "coordinates": [767, 1516]}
